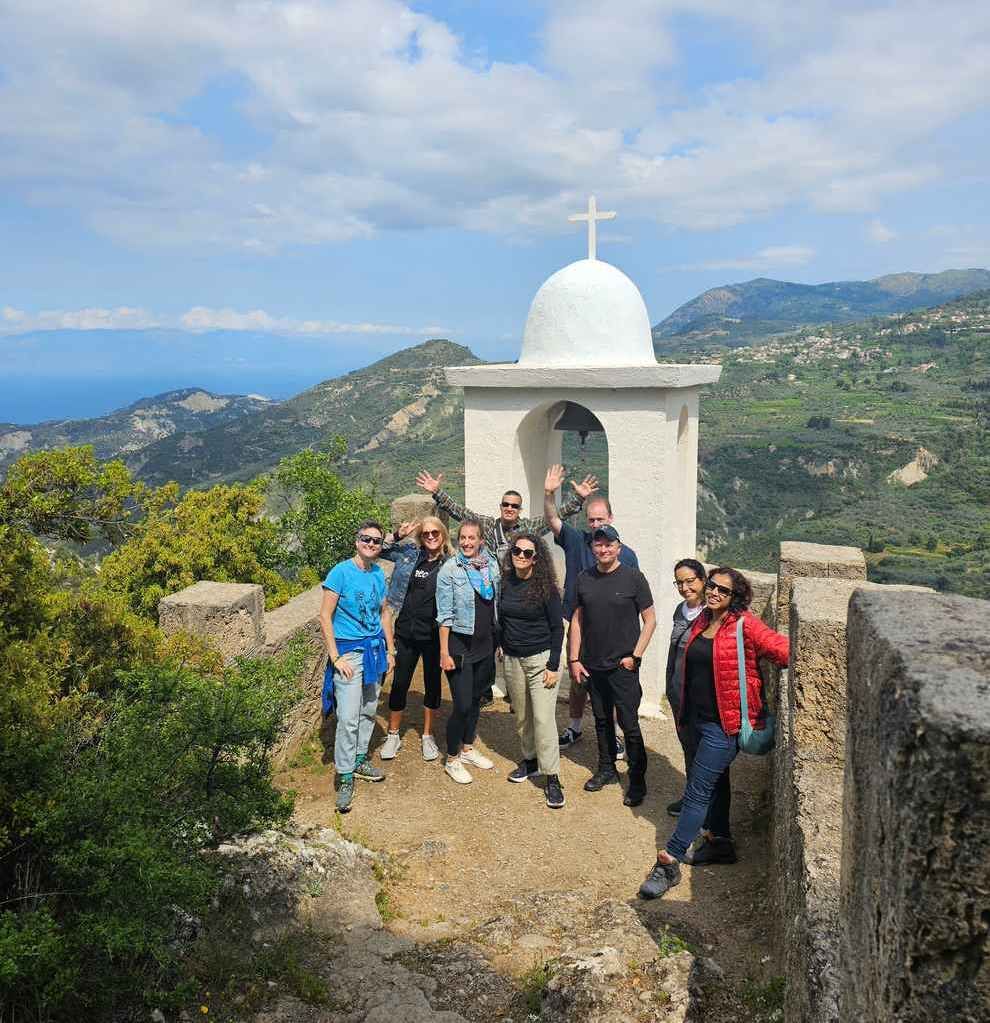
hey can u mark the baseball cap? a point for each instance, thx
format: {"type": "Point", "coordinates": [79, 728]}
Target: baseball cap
{"type": "Point", "coordinates": [605, 533]}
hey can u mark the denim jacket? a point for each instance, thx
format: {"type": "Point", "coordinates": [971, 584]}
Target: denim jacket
{"type": "Point", "coordinates": [405, 557]}
{"type": "Point", "coordinates": [455, 595]}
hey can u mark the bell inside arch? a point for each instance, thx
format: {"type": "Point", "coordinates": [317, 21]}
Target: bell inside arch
{"type": "Point", "coordinates": [577, 419]}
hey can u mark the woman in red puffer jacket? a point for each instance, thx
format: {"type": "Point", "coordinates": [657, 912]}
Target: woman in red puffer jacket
{"type": "Point", "coordinates": [708, 722]}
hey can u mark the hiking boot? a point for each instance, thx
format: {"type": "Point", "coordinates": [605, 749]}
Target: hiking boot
{"type": "Point", "coordinates": [674, 809]}
{"type": "Point", "coordinates": [714, 850]}
{"type": "Point", "coordinates": [390, 746]}
{"type": "Point", "coordinates": [568, 737]}
{"type": "Point", "coordinates": [458, 771]}
{"type": "Point", "coordinates": [635, 795]}
{"type": "Point", "coordinates": [430, 749]}
{"type": "Point", "coordinates": [620, 749]}
{"type": "Point", "coordinates": [367, 771]}
{"type": "Point", "coordinates": [345, 792]}
{"type": "Point", "coordinates": [476, 759]}
{"type": "Point", "coordinates": [554, 793]}
{"type": "Point", "coordinates": [600, 779]}
{"type": "Point", "coordinates": [526, 769]}
{"type": "Point", "coordinates": [660, 879]}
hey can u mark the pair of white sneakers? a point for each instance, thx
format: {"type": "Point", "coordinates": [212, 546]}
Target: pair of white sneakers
{"type": "Point", "coordinates": [456, 769]}
{"type": "Point", "coordinates": [392, 744]}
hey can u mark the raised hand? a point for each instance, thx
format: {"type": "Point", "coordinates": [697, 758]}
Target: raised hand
{"type": "Point", "coordinates": [405, 528]}
{"type": "Point", "coordinates": [586, 487]}
{"type": "Point", "coordinates": [431, 484]}
{"type": "Point", "coordinates": [555, 476]}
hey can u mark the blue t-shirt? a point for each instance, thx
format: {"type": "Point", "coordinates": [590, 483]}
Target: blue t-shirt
{"type": "Point", "coordinates": [578, 557]}
{"type": "Point", "coordinates": [359, 609]}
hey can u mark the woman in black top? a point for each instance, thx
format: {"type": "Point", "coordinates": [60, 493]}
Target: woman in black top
{"type": "Point", "coordinates": [412, 602]}
{"type": "Point", "coordinates": [531, 619]}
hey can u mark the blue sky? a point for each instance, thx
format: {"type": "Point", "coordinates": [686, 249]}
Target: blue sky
{"type": "Point", "coordinates": [366, 174]}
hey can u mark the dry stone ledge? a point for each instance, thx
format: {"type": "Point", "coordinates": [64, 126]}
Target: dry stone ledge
{"type": "Point", "coordinates": [414, 506]}
{"type": "Point", "coordinates": [228, 614]}
{"type": "Point", "coordinates": [815, 560]}
{"type": "Point", "coordinates": [916, 862]}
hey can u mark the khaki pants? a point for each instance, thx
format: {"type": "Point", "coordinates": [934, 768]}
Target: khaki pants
{"type": "Point", "coordinates": [534, 706]}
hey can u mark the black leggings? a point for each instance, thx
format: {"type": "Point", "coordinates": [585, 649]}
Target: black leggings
{"type": "Point", "coordinates": [407, 655]}
{"type": "Point", "coordinates": [467, 685]}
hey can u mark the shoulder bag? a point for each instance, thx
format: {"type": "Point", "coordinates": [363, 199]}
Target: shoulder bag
{"type": "Point", "coordinates": [757, 741]}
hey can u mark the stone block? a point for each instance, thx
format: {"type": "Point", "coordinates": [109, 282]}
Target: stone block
{"type": "Point", "coordinates": [230, 615]}
{"type": "Point", "coordinates": [817, 560]}
{"type": "Point", "coordinates": [817, 678]}
{"type": "Point", "coordinates": [300, 617]}
{"type": "Point", "coordinates": [414, 506]}
{"type": "Point", "coordinates": [916, 820]}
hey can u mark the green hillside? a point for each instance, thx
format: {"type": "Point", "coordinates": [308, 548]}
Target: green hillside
{"type": "Point", "coordinates": [740, 314]}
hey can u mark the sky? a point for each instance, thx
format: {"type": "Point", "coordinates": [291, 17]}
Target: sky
{"type": "Point", "coordinates": [348, 178]}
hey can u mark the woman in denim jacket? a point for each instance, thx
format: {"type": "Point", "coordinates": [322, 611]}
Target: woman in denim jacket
{"type": "Point", "coordinates": [467, 600]}
{"type": "Point", "coordinates": [412, 605]}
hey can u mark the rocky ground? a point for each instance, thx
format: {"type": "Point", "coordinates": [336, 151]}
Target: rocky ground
{"type": "Point", "coordinates": [433, 901]}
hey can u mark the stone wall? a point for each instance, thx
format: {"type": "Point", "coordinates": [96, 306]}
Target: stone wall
{"type": "Point", "coordinates": [916, 868]}
{"type": "Point", "coordinates": [806, 846]}
{"type": "Point", "coordinates": [228, 614]}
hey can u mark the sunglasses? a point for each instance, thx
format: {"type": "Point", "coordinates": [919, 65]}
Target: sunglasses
{"type": "Point", "coordinates": [375, 541]}
{"type": "Point", "coordinates": [684, 582]}
{"type": "Point", "coordinates": [523, 552]}
{"type": "Point", "coordinates": [509, 504]}
{"type": "Point", "coordinates": [431, 534]}
{"type": "Point", "coordinates": [723, 590]}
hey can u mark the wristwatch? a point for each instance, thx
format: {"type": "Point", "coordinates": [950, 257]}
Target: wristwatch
{"type": "Point", "coordinates": [636, 660]}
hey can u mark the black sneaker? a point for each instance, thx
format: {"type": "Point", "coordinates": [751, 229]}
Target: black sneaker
{"type": "Point", "coordinates": [660, 879]}
{"type": "Point", "coordinates": [568, 737]}
{"type": "Point", "coordinates": [555, 794]}
{"type": "Point", "coordinates": [635, 795]}
{"type": "Point", "coordinates": [714, 850]}
{"type": "Point", "coordinates": [525, 769]}
{"type": "Point", "coordinates": [487, 698]}
{"type": "Point", "coordinates": [600, 779]}
{"type": "Point", "coordinates": [674, 809]}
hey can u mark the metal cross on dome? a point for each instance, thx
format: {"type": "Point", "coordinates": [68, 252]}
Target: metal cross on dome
{"type": "Point", "coordinates": [592, 216]}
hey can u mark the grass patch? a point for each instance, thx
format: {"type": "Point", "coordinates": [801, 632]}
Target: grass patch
{"type": "Point", "coordinates": [671, 944]}
{"type": "Point", "coordinates": [533, 984]}
{"type": "Point", "coordinates": [764, 998]}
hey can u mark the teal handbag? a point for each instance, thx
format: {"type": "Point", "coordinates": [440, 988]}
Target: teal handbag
{"type": "Point", "coordinates": [757, 741]}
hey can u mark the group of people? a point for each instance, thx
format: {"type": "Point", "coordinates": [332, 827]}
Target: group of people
{"type": "Point", "coordinates": [494, 605]}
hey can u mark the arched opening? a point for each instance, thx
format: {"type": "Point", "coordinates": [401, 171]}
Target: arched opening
{"type": "Point", "coordinates": [586, 454]}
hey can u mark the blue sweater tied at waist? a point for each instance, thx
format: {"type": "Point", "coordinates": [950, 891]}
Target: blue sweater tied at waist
{"type": "Point", "coordinates": [374, 664]}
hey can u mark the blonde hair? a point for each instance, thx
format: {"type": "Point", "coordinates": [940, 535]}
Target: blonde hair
{"type": "Point", "coordinates": [432, 522]}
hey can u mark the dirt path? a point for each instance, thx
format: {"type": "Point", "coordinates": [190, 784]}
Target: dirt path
{"type": "Point", "coordinates": [467, 852]}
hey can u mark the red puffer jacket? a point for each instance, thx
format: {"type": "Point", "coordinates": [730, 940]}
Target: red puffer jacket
{"type": "Point", "coordinates": [759, 640]}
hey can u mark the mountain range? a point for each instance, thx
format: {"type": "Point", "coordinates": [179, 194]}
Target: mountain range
{"type": "Point", "coordinates": [737, 314]}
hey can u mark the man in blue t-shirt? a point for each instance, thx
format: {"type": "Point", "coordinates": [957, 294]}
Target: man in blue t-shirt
{"type": "Point", "coordinates": [361, 651]}
{"type": "Point", "coordinates": [578, 557]}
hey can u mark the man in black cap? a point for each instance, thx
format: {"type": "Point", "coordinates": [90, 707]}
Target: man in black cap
{"type": "Point", "coordinates": [614, 621]}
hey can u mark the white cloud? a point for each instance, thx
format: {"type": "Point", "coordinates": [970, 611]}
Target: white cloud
{"type": "Point", "coordinates": [770, 258]}
{"type": "Point", "coordinates": [198, 319]}
{"type": "Point", "coordinates": [878, 232]}
{"type": "Point", "coordinates": [372, 117]}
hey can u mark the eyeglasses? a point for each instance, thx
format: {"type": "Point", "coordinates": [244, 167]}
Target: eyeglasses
{"type": "Point", "coordinates": [684, 582]}
{"type": "Point", "coordinates": [431, 534]}
{"type": "Point", "coordinates": [523, 552]}
{"type": "Point", "coordinates": [724, 590]}
{"type": "Point", "coordinates": [509, 504]}
{"type": "Point", "coordinates": [375, 541]}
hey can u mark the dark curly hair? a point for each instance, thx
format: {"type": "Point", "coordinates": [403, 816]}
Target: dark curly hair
{"type": "Point", "coordinates": [742, 592]}
{"type": "Point", "coordinates": [544, 578]}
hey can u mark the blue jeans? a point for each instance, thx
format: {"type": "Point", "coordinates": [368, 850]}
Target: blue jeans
{"type": "Point", "coordinates": [714, 753]}
{"type": "Point", "coordinates": [357, 704]}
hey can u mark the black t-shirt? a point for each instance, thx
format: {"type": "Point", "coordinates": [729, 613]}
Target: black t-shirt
{"type": "Point", "coordinates": [528, 626]}
{"type": "Point", "coordinates": [418, 618]}
{"type": "Point", "coordinates": [699, 680]}
{"type": "Point", "coordinates": [611, 604]}
{"type": "Point", "coordinates": [482, 644]}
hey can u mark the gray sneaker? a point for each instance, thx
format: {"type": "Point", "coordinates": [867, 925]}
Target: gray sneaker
{"type": "Point", "coordinates": [661, 878]}
{"type": "Point", "coordinates": [345, 794]}
{"type": "Point", "coordinates": [367, 771]}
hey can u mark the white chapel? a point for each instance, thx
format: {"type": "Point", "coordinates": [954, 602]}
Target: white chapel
{"type": "Point", "coordinates": [588, 343]}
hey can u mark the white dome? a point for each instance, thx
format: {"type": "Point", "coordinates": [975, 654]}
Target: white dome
{"type": "Point", "coordinates": [588, 314]}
